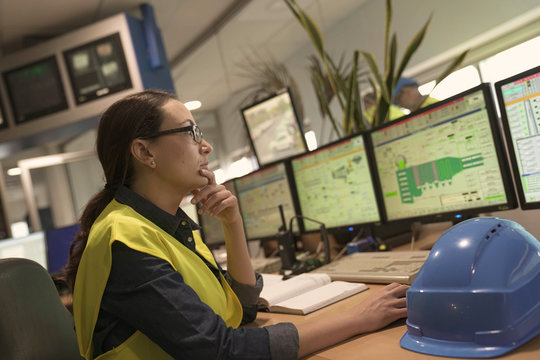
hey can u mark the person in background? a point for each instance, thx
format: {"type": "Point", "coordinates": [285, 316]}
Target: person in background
{"type": "Point", "coordinates": [145, 286]}
{"type": "Point", "coordinates": [406, 95]}
{"type": "Point", "coordinates": [370, 100]}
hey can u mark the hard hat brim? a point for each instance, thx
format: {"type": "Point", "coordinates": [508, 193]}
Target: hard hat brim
{"type": "Point", "coordinates": [454, 349]}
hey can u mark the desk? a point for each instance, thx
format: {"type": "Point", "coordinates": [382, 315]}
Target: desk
{"type": "Point", "coordinates": [380, 345]}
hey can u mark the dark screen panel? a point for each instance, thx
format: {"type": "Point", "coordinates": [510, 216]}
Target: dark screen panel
{"type": "Point", "coordinates": [519, 102]}
{"type": "Point", "coordinates": [35, 90]}
{"type": "Point", "coordinates": [58, 242]}
{"type": "Point", "coordinates": [444, 160]}
{"type": "Point", "coordinates": [97, 69]}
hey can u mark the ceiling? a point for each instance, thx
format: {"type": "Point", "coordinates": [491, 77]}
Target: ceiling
{"type": "Point", "coordinates": [205, 40]}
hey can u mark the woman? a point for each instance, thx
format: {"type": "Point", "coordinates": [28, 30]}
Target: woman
{"type": "Point", "coordinates": [145, 285]}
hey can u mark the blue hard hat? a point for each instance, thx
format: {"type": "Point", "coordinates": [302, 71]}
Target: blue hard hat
{"type": "Point", "coordinates": [478, 293]}
{"type": "Point", "coordinates": [404, 81]}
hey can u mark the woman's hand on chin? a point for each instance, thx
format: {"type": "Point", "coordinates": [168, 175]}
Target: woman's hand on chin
{"type": "Point", "coordinates": [216, 200]}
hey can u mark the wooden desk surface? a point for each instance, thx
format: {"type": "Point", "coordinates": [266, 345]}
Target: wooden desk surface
{"type": "Point", "coordinates": [380, 345]}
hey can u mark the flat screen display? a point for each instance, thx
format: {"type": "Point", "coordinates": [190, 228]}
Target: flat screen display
{"type": "Point", "coordinates": [212, 231]}
{"type": "Point", "coordinates": [260, 194]}
{"type": "Point", "coordinates": [35, 90]}
{"type": "Point", "coordinates": [334, 185]}
{"type": "Point", "coordinates": [274, 128]}
{"type": "Point", "coordinates": [97, 69]}
{"type": "Point", "coordinates": [519, 102]}
{"type": "Point", "coordinates": [444, 160]}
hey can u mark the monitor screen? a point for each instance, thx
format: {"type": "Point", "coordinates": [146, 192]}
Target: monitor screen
{"type": "Point", "coordinates": [97, 69]}
{"type": "Point", "coordinates": [260, 194]}
{"type": "Point", "coordinates": [212, 231]}
{"type": "Point", "coordinates": [35, 90]}
{"type": "Point", "coordinates": [334, 186]}
{"type": "Point", "coordinates": [519, 102]}
{"type": "Point", "coordinates": [274, 128]}
{"type": "Point", "coordinates": [444, 160]}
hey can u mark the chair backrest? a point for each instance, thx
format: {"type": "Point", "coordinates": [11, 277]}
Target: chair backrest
{"type": "Point", "coordinates": [34, 324]}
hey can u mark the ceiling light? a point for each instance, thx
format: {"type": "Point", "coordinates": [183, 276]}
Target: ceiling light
{"type": "Point", "coordinates": [193, 105]}
{"type": "Point", "coordinates": [14, 171]}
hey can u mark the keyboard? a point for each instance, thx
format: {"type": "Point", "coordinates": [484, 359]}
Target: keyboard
{"type": "Point", "coordinates": [377, 267]}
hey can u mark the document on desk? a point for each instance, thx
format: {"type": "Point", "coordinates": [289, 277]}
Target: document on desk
{"type": "Point", "coordinates": [305, 293]}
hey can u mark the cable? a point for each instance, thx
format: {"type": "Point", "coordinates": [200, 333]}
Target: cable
{"type": "Point", "coordinates": [324, 234]}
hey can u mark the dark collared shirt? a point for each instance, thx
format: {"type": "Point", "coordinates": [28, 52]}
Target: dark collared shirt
{"type": "Point", "coordinates": [145, 293]}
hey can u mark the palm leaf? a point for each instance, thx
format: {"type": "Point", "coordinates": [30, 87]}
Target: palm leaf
{"type": "Point", "coordinates": [412, 47]}
{"type": "Point", "coordinates": [370, 60]}
{"type": "Point", "coordinates": [452, 67]}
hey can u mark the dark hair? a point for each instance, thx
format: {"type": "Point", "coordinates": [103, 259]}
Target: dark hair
{"type": "Point", "coordinates": [134, 116]}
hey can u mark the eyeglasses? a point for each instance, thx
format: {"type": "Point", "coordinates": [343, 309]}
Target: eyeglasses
{"type": "Point", "coordinates": [193, 130]}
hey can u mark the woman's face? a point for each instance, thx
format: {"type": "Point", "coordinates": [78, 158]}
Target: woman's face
{"type": "Point", "coordinates": [178, 157]}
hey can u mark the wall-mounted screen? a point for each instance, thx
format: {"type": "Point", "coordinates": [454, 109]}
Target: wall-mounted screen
{"type": "Point", "coordinates": [444, 160]}
{"type": "Point", "coordinates": [97, 69]}
{"type": "Point", "coordinates": [334, 186]}
{"type": "Point", "coordinates": [274, 128]}
{"type": "Point", "coordinates": [212, 231]}
{"type": "Point", "coordinates": [35, 90]}
{"type": "Point", "coordinates": [519, 102]}
{"type": "Point", "coordinates": [260, 194]}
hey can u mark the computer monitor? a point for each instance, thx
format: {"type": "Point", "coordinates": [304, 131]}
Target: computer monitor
{"type": "Point", "coordinates": [97, 69]}
{"type": "Point", "coordinates": [58, 242]}
{"type": "Point", "coordinates": [334, 186]}
{"type": "Point", "coordinates": [212, 231]}
{"type": "Point", "coordinates": [35, 90]}
{"type": "Point", "coordinates": [444, 161]}
{"type": "Point", "coordinates": [519, 102]}
{"type": "Point", "coordinates": [274, 129]}
{"type": "Point", "coordinates": [260, 194]}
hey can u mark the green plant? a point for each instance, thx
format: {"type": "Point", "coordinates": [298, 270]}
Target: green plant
{"type": "Point", "coordinates": [341, 82]}
{"type": "Point", "coordinates": [271, 76]}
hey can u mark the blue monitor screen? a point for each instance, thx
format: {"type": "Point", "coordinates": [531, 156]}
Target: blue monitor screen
{"type": "Point", "coordinates": [58, 242]}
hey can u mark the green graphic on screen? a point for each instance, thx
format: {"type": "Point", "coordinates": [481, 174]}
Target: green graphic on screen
{"type": "Point", "coordinates": [439, 161]}
{"type": "Point", "coordinates": [438, 173]}
{"type": "Point", "coordinates": [334, 185]}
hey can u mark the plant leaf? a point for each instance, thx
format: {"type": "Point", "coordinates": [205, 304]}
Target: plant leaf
{"type": "Point", "coordinates": [412, 47]}
{"type": "Point", "coordinates": [452, 67]}
{"type": "Point", "coordinates": [388, 24]}
{"type": "Point", "coordinates": [370, 60]}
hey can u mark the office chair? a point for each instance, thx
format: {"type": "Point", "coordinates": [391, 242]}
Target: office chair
{"type": "Point", "coordinates": [34, 324]}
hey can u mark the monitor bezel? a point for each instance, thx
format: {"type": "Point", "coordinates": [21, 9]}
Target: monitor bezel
{"type": "Point", "coordinates": [508, 136]}
{"type": "Point", "coordinates": [117, 41]}
{"type": "Point", "coordinates": [296, 117]}
{"type": "Point", "coordinates": [454, 215]}
{"type": "Point", "coordinates": [288, 174]}
{"type": "Point", "coordinates": [340, 229]}
{"type": "Point", "coordinates": [63, 105]}
{"type": "Point", "coordinates": [3, 113]}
